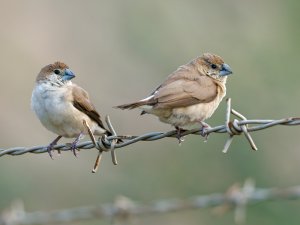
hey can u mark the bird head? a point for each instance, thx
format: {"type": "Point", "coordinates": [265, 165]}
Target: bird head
{"type": "Point", "coordinates": [213, 66]}
{"type": "Point", "coordinates": [57, 73]}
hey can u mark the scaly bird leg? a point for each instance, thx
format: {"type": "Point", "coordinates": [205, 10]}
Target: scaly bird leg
{"type": "Point", "coordinates": [51, 145]}
{"type": "Point", "coordinates": [74, 144]}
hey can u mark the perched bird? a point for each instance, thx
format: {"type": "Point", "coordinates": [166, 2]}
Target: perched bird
{"type": "Point", "coordinates": [189, 95]}
{"type": "Point", "coordinates": [64, 107]}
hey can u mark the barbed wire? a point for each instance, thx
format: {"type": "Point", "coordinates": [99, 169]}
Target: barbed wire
{"type": "Point", "coordinates": [104, 144]}
{"type": "Point", "coordinates": [235, 199]}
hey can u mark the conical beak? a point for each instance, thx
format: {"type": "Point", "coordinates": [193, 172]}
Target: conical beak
{"type": "Point", "coordinates": [226, 70]}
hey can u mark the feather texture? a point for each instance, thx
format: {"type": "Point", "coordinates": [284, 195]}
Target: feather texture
{"type": "Point", "coordinates": [188, 95]}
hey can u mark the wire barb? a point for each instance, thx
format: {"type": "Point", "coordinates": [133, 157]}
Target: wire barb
{"type": "Point", "coordinates": [112, 145]}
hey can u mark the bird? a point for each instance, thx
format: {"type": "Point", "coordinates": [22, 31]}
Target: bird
{"type": "Point", "coordinates": [189, 95]}
{"type": "Point", "coordinates": [64, 107]}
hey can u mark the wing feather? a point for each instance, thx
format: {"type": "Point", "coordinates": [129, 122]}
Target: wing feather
{"type": "Point", "coordinates": [82, 102]}
{"type": "Point", "coordinates": [185, 92]}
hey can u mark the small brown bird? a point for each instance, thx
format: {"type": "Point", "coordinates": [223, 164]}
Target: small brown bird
{"type": "Point", "coordinates": [64, 107]}
{"type": "Point", "coordinates": [189, 95]}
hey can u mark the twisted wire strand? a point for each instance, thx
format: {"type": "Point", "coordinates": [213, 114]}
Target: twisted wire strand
{"type": "Point", "coordinates": [232, 128]}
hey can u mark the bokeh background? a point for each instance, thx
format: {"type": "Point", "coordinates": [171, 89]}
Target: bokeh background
{"type": "Point", "coordinates": [120, 51]}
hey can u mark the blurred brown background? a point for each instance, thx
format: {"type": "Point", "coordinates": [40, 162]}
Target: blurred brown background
{"type": "Point", "coordinates": [120, 50]}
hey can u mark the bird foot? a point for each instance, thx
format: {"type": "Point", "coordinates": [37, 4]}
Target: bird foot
{"type": "Point", "coordinates": [203, 130]}
{"type": "Point", "coordinates": [51, 145]}
{"type": "Point", "coordinates": [178, 134]}
{"type": "Point", "coordinates": [73, 145]}
{"type": "Point", "coordinates": [74, 148]}
{"type": "Point", "coordinates": [49, 150]}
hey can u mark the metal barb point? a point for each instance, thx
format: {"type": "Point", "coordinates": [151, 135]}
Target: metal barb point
{"type": "Point", "coordinates": [113, 142]}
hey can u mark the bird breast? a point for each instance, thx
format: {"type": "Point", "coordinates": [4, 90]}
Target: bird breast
{"type": "Point", "coordinates": [55, 110]}
{"type": "Point", "coordinates": [186, 116]}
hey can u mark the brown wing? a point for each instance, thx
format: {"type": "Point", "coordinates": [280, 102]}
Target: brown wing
{"type": "Point", "coordinates": [184, 87]}
{"type": "Point", "coordinates": [82, 102]}
{"type": "Point", "coordinates": [179, 91]}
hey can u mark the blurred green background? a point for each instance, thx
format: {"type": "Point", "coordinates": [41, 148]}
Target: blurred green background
{"type": "Point", "coordinates": [120, 51]}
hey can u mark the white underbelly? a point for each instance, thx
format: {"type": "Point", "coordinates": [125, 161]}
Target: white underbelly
{"type": "Point", "coordinates": [58, 115]}
{"type": "Point", "coordinates": [190, 115]}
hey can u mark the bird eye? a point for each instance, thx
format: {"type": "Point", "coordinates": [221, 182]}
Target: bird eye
{"type": "Point", "coordinates": [213, 66]}
{"type": "Point", "coordinates": [57, 71]}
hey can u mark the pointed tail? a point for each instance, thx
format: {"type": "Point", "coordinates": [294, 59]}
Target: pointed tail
{"type": "Point", "coordinates": [131, 105]}
{"type": "Point", "coordinates": [146, 101]}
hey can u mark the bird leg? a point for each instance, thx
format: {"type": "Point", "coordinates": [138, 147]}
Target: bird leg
{"type": "Point", "coordinates": [178, 134]}
{"type": "Point", "coordinates": [74, 144]}
{"type": "Point", "coordinates": [51, 145]}
{"type": "Point", "coordinates": [203, 129]}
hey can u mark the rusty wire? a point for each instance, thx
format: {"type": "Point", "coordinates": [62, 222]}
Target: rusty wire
{"type": "Point", "coordinates": [235, 199]}
{"type": "Point", "coordinates": [237, 126]}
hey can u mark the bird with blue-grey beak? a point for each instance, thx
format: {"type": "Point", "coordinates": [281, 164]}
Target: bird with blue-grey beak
{"type": "Point", "coordinates": [189, 95]}
{"type": "Point", "coordinates": [63, 107]}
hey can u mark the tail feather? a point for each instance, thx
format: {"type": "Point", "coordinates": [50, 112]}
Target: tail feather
{"type": "Point", "coordinates": [132, 105]}
{"type": "Point", "coordinates": [146, 101]}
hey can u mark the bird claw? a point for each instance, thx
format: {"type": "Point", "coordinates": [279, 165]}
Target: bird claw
{"type": "Point", "coordinates": [49, 150]}
{"type": "Point", "coordinates": [74, 148]}
{"type": "Point", "coordinates": [178, 134]}
{"type": "Point", "coordinates": [180, 140]}
{"type": "Point", "coordinates": [73, 145]}
{"type": "Point", "coordinates": [203, 131]}
{"type": "Point", "coordinates": [51, 145]}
